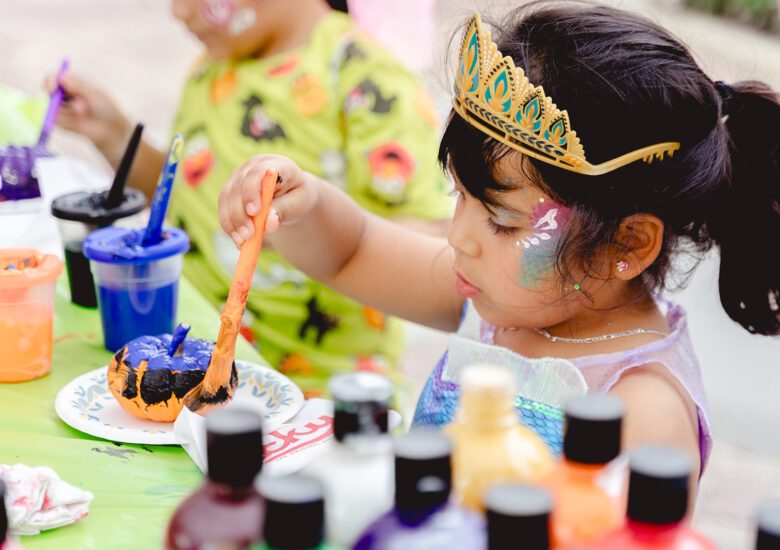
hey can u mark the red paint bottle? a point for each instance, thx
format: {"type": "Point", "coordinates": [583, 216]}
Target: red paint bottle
{"type": "Point", "coordinates": [227, 512]}
{"type": "Point", "coordinates": [657, 505]}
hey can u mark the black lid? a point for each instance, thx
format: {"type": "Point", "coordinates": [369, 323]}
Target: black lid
{"type": "Point", "coordinates": [769, 526]}
{"type": "Point", "coordinates": [518, 512]}
{"type": "Point", "coordinates": [423, 472]}
{"type": "Point", "coordinates": [361, 401]}
{"type": "Point", "coordinates": [295, 512]}
{"type": "Point", "coordinates": [658, 486]}
{"type": "Point", "coordinates": [592, 429]}
{"type": "Point", "coordinates": [88, 206]}
{"type": "Point", "coordinates": [3, 516]}
{"type": "Point", "coordinates": [234, 439]}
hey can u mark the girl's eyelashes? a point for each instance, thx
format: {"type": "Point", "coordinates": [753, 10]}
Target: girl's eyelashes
{"type": "Point", "coordinates": [501, 229]}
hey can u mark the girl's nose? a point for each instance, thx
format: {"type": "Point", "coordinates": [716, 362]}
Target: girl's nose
{"type": "Point", "coordinates": [462, 241]}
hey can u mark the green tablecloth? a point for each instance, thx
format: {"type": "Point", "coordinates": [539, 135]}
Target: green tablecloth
{"type": "Point", "coordinates": [136, 488]}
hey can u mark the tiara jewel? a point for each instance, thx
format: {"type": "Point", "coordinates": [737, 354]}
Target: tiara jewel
{"type": "Point", "coordinates": [497, 98]}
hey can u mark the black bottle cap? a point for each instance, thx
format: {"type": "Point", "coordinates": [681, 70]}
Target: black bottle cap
{"type": "Point", "coordinates": [592, 429]}
{"type": "Point", "coordinates": [423, 471]}
{"type": "Point", "coordinates": [295, 512]}
{"type": "Point", "coordinates": [361, 401]}
{"type": "Point", "coordinates": [769, 526]}
{"type": "Point", "coordinates": [3, 516]}
{"type": "Point", "coordinates": [234, 440]}
{"type": "Point", "coordinates": [517, 512]}
{"type": "Point", "coordinates": [658, 486]}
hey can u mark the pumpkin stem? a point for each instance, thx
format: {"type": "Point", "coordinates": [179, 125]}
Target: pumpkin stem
{"type": "Point", "coordinates": [177, 340]}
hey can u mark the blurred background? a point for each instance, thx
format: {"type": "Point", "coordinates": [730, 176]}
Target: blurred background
{"type": "Point", "coordinates": [135, 49]}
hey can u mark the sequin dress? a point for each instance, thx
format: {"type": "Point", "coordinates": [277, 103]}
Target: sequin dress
{"type": "Point", "coordinates": [545, 384]}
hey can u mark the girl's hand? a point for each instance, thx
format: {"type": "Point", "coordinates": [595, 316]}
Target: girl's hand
{"type": "Point", "coordinates": [295, 196]}
{"type": "Point", "coordinates": [89, 111]}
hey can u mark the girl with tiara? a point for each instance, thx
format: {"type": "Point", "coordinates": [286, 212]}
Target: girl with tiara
{"type": "Point", "coordinates": [588, 149]}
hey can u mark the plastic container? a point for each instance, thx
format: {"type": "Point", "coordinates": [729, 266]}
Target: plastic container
{"type": "Point", "coordinates": [19, 188]}
{"type": "Point", "coordinates": [295, 514]}
{"type": "Point", "coordinates": [518, 516]}
{"type": "Point", "coordinates": [27, 280]}
{"type": "Point", "coordinates": [491, 446]}
{"type": "Point", "coordinates": [658, 493]}
{"type": "Point", "coordinates": [424, 516]}
{"type": "Point", "coordinates": [79, 214]}
{"type": "Point", "coordinates": [138, 287]}
{"type": "Point", "coordinates": [357, 469]}
{"type": "Point", "coordinates": [587, 487]}
{"type": "Point", "coordinates": [227, 512]}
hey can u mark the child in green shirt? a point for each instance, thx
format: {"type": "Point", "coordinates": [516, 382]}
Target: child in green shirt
{"type": "Point", "coordinates": [313, 88]}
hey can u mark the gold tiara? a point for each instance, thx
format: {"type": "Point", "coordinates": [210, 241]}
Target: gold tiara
{"type": "Point", "coordinates": [497, 98]}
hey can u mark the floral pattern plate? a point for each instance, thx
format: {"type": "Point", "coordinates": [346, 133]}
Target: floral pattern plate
{"type": "Point", "coordinates": [87, 405]}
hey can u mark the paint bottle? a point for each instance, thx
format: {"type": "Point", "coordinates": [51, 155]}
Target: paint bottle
{"type": "Point", "coordinates": [227, 512]}
{"type": "Point", "coordinates": [657, 505]}
{"type": "Point", "coordinates": [357, 469]}
{"type": "Point", "coordinates": [79, 214]}
{"type": "Point", "coordinates": [768, 536]}
{"type": "Point", "coordinates": [490, 444]}
{"type": "Point", "coordinates": [424, 516]}
{"type": "Point", "coordinates": [586, 487]}
{"type": "Point", "coordinates": [518, 516]}
{"type": "Point", "coordinates": [295, 514]}
{"type": "Point", "coordinates": [6, 541]}
{"type": "Point", "coordinates": [137, 286]}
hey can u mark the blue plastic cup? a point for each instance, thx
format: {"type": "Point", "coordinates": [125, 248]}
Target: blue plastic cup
{"type": "Point", "coordinates": [137, 287]}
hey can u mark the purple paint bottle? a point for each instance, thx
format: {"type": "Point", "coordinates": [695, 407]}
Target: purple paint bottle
{"type": "Point", "coordinates": [138, 286]}
{"type": "Point", "coordinates": [423, 516]}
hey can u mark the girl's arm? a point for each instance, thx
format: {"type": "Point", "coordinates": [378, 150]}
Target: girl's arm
{"type": "Point", "coordinates": [324, 233]}
{"type": "Point", "coordinates": [659, 412]}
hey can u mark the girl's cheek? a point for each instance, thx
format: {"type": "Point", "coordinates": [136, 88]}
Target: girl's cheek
{"type": "Point", "coordinates": [535, 251]}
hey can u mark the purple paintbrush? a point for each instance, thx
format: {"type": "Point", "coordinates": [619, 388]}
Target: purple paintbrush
{"type": "Point", "coordinates": [55, 101]}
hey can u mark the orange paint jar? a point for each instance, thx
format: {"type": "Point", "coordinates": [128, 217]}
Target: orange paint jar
{"type": "Point", "coordinates": [27, 280]}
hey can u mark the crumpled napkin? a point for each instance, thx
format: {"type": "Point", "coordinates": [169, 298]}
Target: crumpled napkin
{"type": "Point", "coordinates": [287, 447]}
{"type": "Point", "coordinates": [36, 499]}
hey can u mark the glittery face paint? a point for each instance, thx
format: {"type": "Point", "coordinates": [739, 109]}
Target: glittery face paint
{"type": "Point", "coordinates": [218, 13]}
{"type": "Point", "coordinates": [539, 248]}
{"type": "Point", "coordinates": [241, 21]}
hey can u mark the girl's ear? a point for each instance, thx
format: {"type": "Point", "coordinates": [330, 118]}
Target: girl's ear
{"type": "Point", "coordinates": [639, 239]}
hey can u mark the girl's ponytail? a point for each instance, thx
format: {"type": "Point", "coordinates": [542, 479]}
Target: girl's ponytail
{"type": "Point", "coordinates": [746, 222]}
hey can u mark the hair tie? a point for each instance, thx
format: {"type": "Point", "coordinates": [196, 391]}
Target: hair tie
{"type": "Point", "coordinates": [726, 93]}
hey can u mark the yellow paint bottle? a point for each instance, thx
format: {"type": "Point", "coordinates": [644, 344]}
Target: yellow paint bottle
{"type": "Point", "coordinates": [491, 446]}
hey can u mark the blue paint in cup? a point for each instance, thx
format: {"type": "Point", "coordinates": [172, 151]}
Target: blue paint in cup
{"type": "Point", "coordinates": [137, 286]}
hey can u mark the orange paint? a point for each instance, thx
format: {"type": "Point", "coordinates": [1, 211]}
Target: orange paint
{"type": "Point", "coordinates": [584, 511]}
{"type": "Point", "coordinates": [26, 313]}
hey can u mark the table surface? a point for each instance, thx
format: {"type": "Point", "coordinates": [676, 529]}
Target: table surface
{"type": "Point", "coordinates": [136, 487]}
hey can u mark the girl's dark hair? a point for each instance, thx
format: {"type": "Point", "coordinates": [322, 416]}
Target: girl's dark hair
{"type": "Point", "coordinates": [628, 83]}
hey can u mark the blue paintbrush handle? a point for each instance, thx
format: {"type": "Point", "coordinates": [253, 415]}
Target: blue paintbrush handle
{"type": "Point", "coordinates": [153, 233]}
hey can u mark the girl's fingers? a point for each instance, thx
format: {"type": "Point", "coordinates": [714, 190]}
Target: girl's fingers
{"type": "Point", "coordinates": [250, 189]}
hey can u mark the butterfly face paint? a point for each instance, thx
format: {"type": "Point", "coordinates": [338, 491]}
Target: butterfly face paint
{"type": "Point", "coordinates": [538, 249]}
{"type": "Point", "coordinates": [226, 14]}
{"type": "Point", "coordinates": [241, 21]}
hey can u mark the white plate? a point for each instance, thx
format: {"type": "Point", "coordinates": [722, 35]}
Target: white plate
{"type": "Point", "coordinates": [86, 404]}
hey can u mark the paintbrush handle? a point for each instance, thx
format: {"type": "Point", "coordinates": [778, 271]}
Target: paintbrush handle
{"type": "Point", "coordinates": [153, 233]}
{"type": "Point", "coordinates": [224, 349]}
{"type": "Point", "coordinates": [55, 100]}
{"type": "Point", "coordinates": [117, 191]}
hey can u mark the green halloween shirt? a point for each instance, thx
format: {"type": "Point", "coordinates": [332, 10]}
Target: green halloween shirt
{"type": "Point", "coordinates": [343, 109]}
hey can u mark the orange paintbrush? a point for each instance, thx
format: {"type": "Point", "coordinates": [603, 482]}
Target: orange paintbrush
{"type": "Point", "coordinates": [221, 377]}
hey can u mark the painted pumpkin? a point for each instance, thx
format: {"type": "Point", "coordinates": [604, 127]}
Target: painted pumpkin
{"type": "Point", "coordinates": [152, 377]}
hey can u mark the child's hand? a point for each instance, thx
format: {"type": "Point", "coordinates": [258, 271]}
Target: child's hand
{"type": "Point", "coordinates": [295, 196]}
{"type": "Point", "coordinates": [89, 111]}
